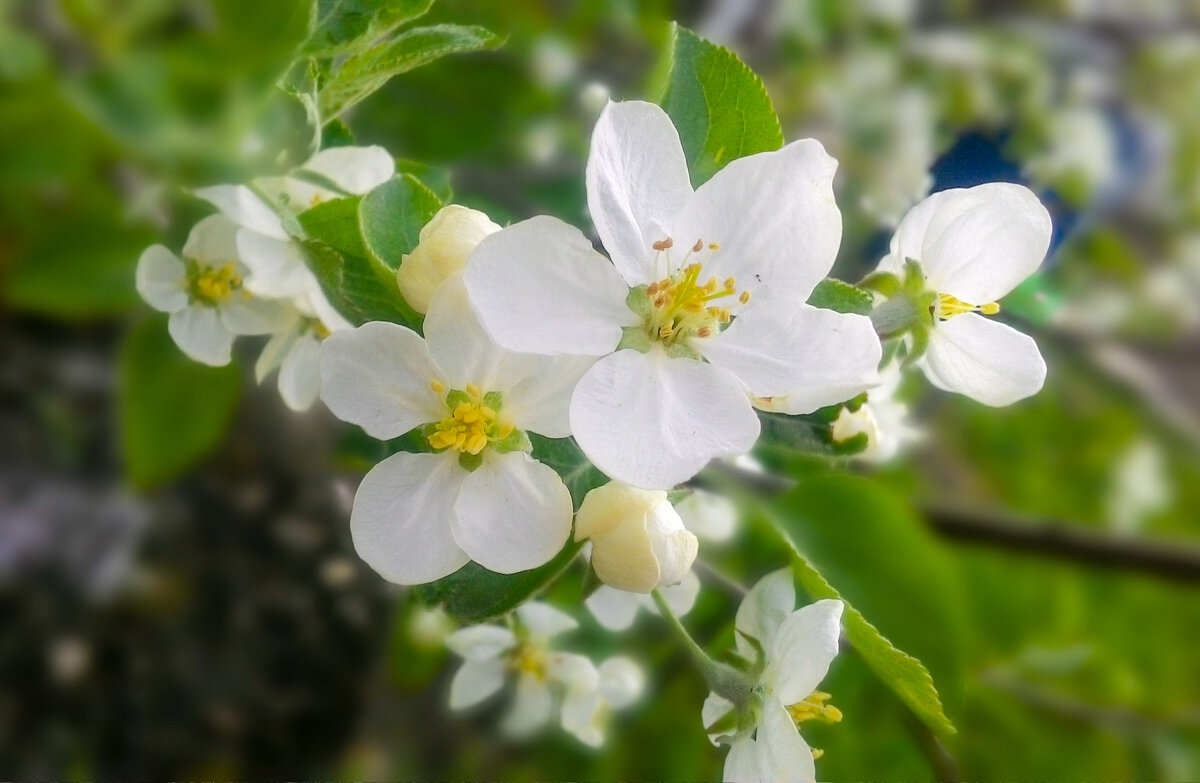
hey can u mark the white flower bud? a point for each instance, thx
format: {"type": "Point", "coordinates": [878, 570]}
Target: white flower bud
{"type": "Point", "coordinates": [442, 249]}
{"type": "Point", "coordinates": [850, 423]}
{"type": "Point", "coordinates": [638, 540]}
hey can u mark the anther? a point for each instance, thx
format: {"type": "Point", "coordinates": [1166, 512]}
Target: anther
{"type": "Point", "coordinates": [663, 244]}
{"type": "Point", "coordinates": [652, 289]}
{"type": "Point", "coordinates": [730, 283]}
{"type": "Point", "coordinates": [437, 386]}
{"type": "Point", "coordinates": [991, 308]}
{"type": "Point", "coordinates": [696, 248]}
{"type": "Point", "coordinates": [745, 297]}
{"type": "Point", "coordinates": [474, 390]}
{"type": "Point", "coordinates": [713, 246]}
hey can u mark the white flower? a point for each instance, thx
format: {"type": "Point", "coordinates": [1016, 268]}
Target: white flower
{"type": "Point", "coordinates": [1140, 486]}
{"type": "Point", "coordinates": [617, 609]}
{"type": "Point", "coordinates": [276, 265]}
{"type": "Point", "coordinates": [479, 496]}
{"type": "Point", "coordinates": [882, 417]}
{"type": "Point", "coordinates": [586, 710]}
{"type": "Point", "coordinates": [638, 541]}
{"type": "Point", "coordinates": [710, 516]}
{"type": "Point", "coordinates": [442, 249]}
{"type": "Point", "coordinates": [975, 245]}
{"type": "Point", "coordinates": [798, 647]}
{"type": "Point", "coordinates": [701, 309]}
{"type": "Point", "coordinates": [204, 292]}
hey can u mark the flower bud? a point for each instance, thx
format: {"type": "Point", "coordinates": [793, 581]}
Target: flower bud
{"type": "Point", "coordinates": [638, 540]}
{"type": "Point", "coordinates": [849, 424]}
{"type": "Point", "coordinates": [442, 249]}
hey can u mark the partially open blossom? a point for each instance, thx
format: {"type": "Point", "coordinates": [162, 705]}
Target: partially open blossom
{"type": "Point", "coordinates": [638, 541]}
{"type": "Point", "coordinates": [442, 249]}
{"type": "Point", "coordinates": [586, 710]}
{"type": "Point", "coordinates": [882, 418]}
{"type": "Point", "coordinates": [699, 317]}
{"type": "Point", "coordinates": [794, 648]}
{"type": "Point", "coordinates": [205, 294]}
{"type": "Point", "coordinates": [710, 516]}
{"type": "Point", "coordinates": [477, 495]}
{"type": "Point", "coordinates": [973, 246]}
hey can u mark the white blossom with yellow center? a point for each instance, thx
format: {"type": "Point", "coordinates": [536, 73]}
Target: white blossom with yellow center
{"type": "Point", "coordinates": [701, 312]}
{"type": "Point", "coordinates": [476, 494]}
{"type": "Point", "coordinates": [799, 645]}
{"type": "Point", "coordinates": [204, 292]}
{"type": "Point", "coordinates": [974, 246]}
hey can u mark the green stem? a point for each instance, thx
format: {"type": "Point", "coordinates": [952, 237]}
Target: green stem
{"type": "Point", "coordinates": [734, 685]}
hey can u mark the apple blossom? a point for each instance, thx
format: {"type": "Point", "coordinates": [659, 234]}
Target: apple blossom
{"type": "Point", "coordinates": [477, 495]}
{"type": "Point", "coordinates": [881, 417]}
{"type": "Point", "coordinates": [616, 609]}
{"type": "Point", "coordinates": [973, 246]}
{"type": "Point", "coordinates": [638, 541]}
{"type": "Point", "coordinates": [710, 516]}
{"type": "Point", "coordinates": [699, 317]}
{"type": "Point", "coordinates": [618, 682]}
{"type": "Point", "coordinates": [442, 249]}
{"type": "Point", "coordinates": [204, 292]}
{"type": "Point", "coordinates": [792, 650]}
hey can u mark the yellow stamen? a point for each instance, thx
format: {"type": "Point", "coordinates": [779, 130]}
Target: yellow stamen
{"type": "Point", "coordinates": [437, 386]}
{"type": "Point", "coordinates": [745, 297]}
{"type": "Point", "coordinates": [815, 708]}
{"type": "Point", "coordinates": [948, 306]}
{"type": "Point", "coordinates": [474, 390]}
{"type": "Point", "coordinates": [216, 283]}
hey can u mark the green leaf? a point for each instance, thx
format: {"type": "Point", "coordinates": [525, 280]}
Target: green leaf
{"type": "Point", "coordinates": [432, 177]}
{"type": "Point", "coordinates": [355, 289]}
{"type": "Point", "coordinates": [172, 410]}
{"type": "Point", "coordinates": [474, 594]}
{"type": "Point", "coordinates": [391, 218]}
{"type": "Point", "coordinates": [849, 532]}
{"type": "Point", "coordinates": [365, 72]}
{"type": "Point", "coordinates": [842, 297]}
{"type": "Point", "coordinates": [340, 24]}
{"type": "Point", "coordinates": [811, 433]}
{"type": "Point", "coordinates": [562, 454]}
{"type": "Point", "coordinates": [335, 223]}
{"type": "Point", "coordinates": [719, 106]}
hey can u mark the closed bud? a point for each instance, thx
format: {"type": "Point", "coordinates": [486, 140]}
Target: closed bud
{"type": "Point", "coordinates": [442, 249]}
{"type": "Point", "coordinates": [638, 540]}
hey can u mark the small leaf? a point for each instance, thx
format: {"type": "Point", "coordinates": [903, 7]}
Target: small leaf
{"type": "Point", "coordinates": [848, 531]}
{"type": "Point", "coordinates": [842, 297]}
{"type": "Point", "coordinates": [719, 105]}
{"type": "Point", "coordinates": [367, 71]}
{"type": "Point", "coordinates": [173, 411]}
{"type": "Point", "coordinates": [577, 472]}
{"type": "Point", "coordinates": [335, 223]}
{"type": "Point", "coordinates": [474, 594]}
{"type": "Point", "coordinates": [340, 24]}
{"type": "Point", "coordinates": [391, 218]}
{"type": "Point", "coordinates": [355, 290]}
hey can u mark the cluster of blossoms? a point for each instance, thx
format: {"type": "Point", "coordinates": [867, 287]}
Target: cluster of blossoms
{"type": "Point", "coordinates": [656, 359]}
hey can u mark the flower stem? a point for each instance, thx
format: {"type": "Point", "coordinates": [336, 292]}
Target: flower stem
{"type": "Point", "coordinates": [722, 678]}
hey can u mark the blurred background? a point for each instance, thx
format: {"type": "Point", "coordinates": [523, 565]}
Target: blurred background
{"type": "Point", "coordinates": [178, 594]}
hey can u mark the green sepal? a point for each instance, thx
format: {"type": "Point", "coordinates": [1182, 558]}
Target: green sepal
{"type": "Point", "coordinates": [639, 302]}
{"type": "Point", "coordinates": [885, 283]}
{"type": "Point", "coordinates": [493, 400]}
{"type": "Point", "coordinates": [517, 440]}
{"type": "Point", "coordinates": [456, 397]}
{"type": "Point", "coordinates": [470, 462]}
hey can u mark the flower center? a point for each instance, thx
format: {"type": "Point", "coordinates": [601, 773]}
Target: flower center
{"type": "Point", "coordinates": [684, 304]}
{"type": "Point", "coordinates": [528, 659]}
{"type": "Point", "coordinates": [946, 307]}
{"type": "Point", "coordinates": [815, 708]}
{"type": "Point", "coordinates": [473, 421]}
{"type": "Point", "coordinates": [215, 284]}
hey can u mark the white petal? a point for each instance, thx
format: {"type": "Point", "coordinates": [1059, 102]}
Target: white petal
{"type": "Point", "coordinates": [637, 181]}
{"type": "Point", "coordinates": [213, 241]}
{"type": "Point", "coordinates": [353, 169]}
{"type": "Point", "coordinates": [539, 287]}
{"type": "Point", "coordinates": [480, 642]}
{"type": "Point", "coordinates": [574, 672]}
{"type": "Point", "coordinates": [621, 681]}
{"type": "Point", "coordinates": [245, 314]}
{"type": "Point", "coordinates": [198, 331]}
{"type": "Point", "coordinates": [582, 716]}
{"type": "Point", "coordinates": [531, 707]}
{"type": "Point", "coordinates": [674, 546]}
{"type": "Point", "coordinates": [274, 351]}
{"type": "Point", "coordinates": [714, 708]}
{"type": "Point", "coordinates": [908, 241]}
{"type": "Point", "coordinates": [512, 514]}
{"type": "Point", "coordinates": [680, 597]}
{"type": "Point", "coordinates": [239, 204]}
{"type": "Point", "coordinates": [463, 349]}
{"type": "Point", "coordinates": [544, 621]}
{"type": "Point", "coordinates": [541, 401]}
{"type": "Point", "coordinates": [782, 754]}
{"type": "Point", "coordinates": [802, 650]}
{"type": "Point", "coordinates": [475, 681]}
{"type": "Point", "coordinates": [614, 609]}
{"type": "Point", "coordinates": [654, 422]}
{"type": "Point", "coordinates": [983, 241]}
{"type": "Point", "coordinates": [401, 518]}
{"type": "Point", "coordinates": [377, 376]}
{"type": "Point", "coordinates": [277, 268]}
{"type": "Point", "coordinates": [763, 611]}
{"type": "Point", "coordinates": [741, 765]}
{"type": "Point", "coordinates": [300, 373]}
{"type": "Point", "coordinates": [162, 279]}
{"type": "Point", "coordinates": [810, 356]}
{"type": "Point", "coordinates": [319, 306]}
{"type": "Point", "coordinates": [710, 516]}
{"type": "Point", "coordinates": [984, 359]}
{"type": "Point", "coordinates": [773, 215]}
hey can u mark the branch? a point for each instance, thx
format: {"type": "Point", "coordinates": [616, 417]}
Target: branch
{"type": "Point", "coordinates": [1175, 560]}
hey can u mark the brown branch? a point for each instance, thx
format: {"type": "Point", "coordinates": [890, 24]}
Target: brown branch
{"type": "Point", "coordinates": [1176, 560]}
